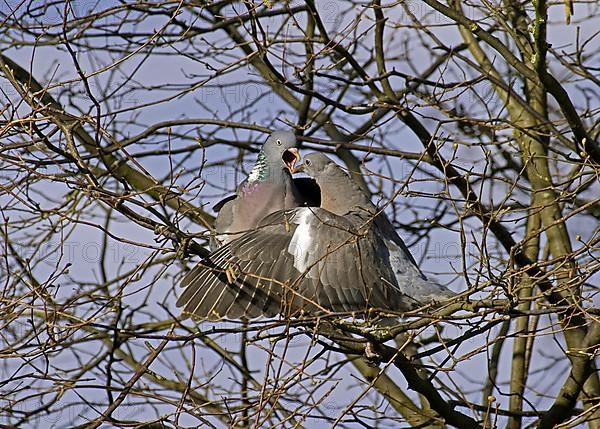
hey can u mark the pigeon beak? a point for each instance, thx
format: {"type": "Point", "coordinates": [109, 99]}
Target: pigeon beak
{"type": "Point", "coordinates": [299, 169]}
{"type": "Point", "coordinates": [290, 158]}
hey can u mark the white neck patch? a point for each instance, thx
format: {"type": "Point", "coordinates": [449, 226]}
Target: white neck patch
{"type": "Point", "coordinates": [259, 171]}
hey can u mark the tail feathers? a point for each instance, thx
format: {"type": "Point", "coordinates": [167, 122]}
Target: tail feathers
{"type": "Point", "coordinates": [422, 291]}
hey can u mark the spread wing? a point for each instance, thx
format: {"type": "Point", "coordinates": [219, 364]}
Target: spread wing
{"type": "Point", "coordinates": [304, 259]}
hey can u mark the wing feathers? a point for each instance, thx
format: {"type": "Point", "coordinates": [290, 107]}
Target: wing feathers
{"type": "Point", "coordinates": [304, 259]}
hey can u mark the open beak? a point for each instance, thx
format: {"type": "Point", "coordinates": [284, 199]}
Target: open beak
{"type": "Point", "coordinates": [290, 158]}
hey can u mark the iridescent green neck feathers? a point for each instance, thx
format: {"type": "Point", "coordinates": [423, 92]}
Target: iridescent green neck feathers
{"type": "Point", "coordinates": [260, 171]}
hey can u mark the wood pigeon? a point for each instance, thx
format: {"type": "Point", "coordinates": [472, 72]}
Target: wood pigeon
{"type": "Point", "coordinates": [268, 188]}
{"type": "Point", "coordinates": [343, 256]}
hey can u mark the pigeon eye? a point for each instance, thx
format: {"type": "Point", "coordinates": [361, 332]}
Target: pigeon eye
{"type": "Point", "coordinates": [307, 161]}
{"type": "Point", "coordinates": [278, 142]}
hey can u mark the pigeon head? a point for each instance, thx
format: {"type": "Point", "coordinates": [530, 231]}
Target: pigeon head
{"type": "Point", "coordinates": [339, 192]}
{"type": "Point", "coordinates": [281, 145]}
{"type": "Point", "coordinates": [316, 165]}
{"type": "Point", "coordinates": [279, 153]}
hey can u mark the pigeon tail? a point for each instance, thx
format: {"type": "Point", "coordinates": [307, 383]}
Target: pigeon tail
{"type": "Point", "coordinates": [422, 291]}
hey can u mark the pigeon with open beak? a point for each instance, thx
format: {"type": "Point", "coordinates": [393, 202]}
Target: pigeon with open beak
{"type": "Point", "coordinates": [269, 187]}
